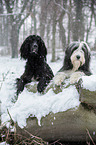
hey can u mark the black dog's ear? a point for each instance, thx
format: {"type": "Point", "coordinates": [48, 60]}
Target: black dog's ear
{"type": "Point", "coordinates": [42, 48]}
{"type": "Point", "coordinates": [25, 48]}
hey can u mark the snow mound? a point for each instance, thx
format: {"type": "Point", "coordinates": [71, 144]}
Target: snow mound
{"type": "Point", "coordinates": [89, 82]}
{"type": "Point", "coordinates": [39, 106]}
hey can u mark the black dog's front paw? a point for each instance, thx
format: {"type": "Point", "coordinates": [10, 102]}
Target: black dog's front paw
{"type": "Point", "coordinates": [19, 86]}
{"type": "Point", "coordinates": [40, 88]}
{"type": "Point", "coordinates": [42, 85]}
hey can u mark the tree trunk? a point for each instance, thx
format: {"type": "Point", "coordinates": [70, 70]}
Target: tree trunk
{"type": "Point", "coordinates": [43, 18]}
{"type": "Point", "coordinates": [35, 30]}
{"type": "Point", "coordinates": [89, 28]}
{"type": "Point", "coordinates": [78, 25]}
{"type": "Point", "coordinates": [48, 31]}
{"type": "Point", "coordinates": [14, 41]}
{"type": "Point", "coordinates": [53, 40]}
{"type": "Point", "coordinates": [69, 23]}
{"type": "Point", "coordinates": [62, 30]}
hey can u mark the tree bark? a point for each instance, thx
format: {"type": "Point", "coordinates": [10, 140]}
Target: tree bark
{"type": "Point", "coordinates": [35, 30]}
{"type": "Point", "coordinates": [53, 36]}
{"type": "Point", "coordinates": [48, 31]}
{"type": "Point", "coordinates": [62, 30]}
{"type": "Point", "coordinates": [78, 25]}
{"type": "Point", "coordinates": [14, 41]}
{"type": "Point", "coordinates": [69, 23]}
{"type": "Point", "coordinates": [43, 16]}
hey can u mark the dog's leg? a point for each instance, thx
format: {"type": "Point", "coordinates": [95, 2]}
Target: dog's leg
{"type": "Point", "coordinates": [21, 82]}
{"type": "Point", "coordinates": [76, 76]}
{"type": "Point", "coordinates": [43, 83]}
{"type": "Point", "coordinates": [59, 78]}
{"type": "Point", "coordinates": [19, 85]}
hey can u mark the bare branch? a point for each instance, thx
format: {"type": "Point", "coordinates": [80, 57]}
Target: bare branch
{"type": "Point", "coordinates": [61, 7]}
{"type": "Point", "coordinates": [90, 136]}
{"type": "Point", "coordinates": [27, 14]}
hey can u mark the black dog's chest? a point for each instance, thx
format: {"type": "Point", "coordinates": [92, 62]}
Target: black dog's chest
{"type": "Point", "coordinates": [37, 71]}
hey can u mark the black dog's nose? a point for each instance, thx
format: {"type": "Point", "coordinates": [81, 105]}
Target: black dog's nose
{"type": "Point", "coordinates": [35, 45]}
{"type": "Point", "coordinates": [78, 56]}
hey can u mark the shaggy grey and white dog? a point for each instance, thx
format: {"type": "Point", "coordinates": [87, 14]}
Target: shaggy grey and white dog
{"type": "Point", "coordinates": [76, 63]}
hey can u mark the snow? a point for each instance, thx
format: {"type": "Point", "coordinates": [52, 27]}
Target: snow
{"type": "Point", "coordinates": [41, 105]}
{"type": "Point", "coordinates": [33, 104]}
{"type": "Point", "coordinates": [3, 143]}
{"type": "Point", "coordinates": [89, 82]}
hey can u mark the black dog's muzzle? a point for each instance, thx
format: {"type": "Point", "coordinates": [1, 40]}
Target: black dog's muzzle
{"type": "Point", "coordinates": [34, 48]}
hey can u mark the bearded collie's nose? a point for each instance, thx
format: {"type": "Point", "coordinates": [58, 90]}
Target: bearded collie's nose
{"type": "Point", "coordinates": [78, 56]}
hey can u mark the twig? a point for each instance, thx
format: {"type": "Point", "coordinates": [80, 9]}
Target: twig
{"type": "Point", "coordinates": [35, 137]}
{"type": "Point", "coordinates": [57, 141]}
{"type": "Point", "coordinates": [4, 77]}
{"type": "Point", "coordinates": [88, 143]}
{"type": "Point", "coordinates": [61, 7]}
{"type": "Point", "coordinates": [31, 134]}
{"type": "Point", "coordinates": [12, 122]}
{"type": "Point", "coordinates": [90, 136]}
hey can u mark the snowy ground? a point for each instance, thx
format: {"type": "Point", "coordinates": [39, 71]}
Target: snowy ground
{"type": "Point", "coordinates": [33, 103]}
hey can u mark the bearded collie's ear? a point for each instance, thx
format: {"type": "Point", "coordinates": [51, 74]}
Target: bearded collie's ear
{"type": "Point", "coordinates": [42, 48]}
{"type": "Point", "coordinates": [25, 48]}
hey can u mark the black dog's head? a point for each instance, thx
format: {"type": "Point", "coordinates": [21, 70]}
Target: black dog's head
{"type": "Point", "coordinates": [77, 54]}
{"type": "Point", "coordinates": [33, 46]}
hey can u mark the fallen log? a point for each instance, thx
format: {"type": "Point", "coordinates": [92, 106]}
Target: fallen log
{"type": "Point", "coordinates": [70, 125]}
{"type": "Point", "coordinates": [77, 124]}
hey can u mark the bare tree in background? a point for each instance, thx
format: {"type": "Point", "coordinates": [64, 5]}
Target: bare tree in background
{"type": "Point", "coordinates": [78, 23]}
{"type": "Point", "coordinates": [54, 23]}
{"type": "Point", "coordinates": [43, 17]}
{"type": "Point", "coordinates": [17, 20]}
{"type": "Point", "coordinates": [91, 5]}
{"type": "Point", "coordinates": [57, 22]}
{"type": "Point", "coordinates": [61, 27]}
{"type": "Point", "coordinates": [1, 11]}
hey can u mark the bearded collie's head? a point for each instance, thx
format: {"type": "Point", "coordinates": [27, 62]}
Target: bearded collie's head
{"type": "Point", "coordinates": [77, 57]}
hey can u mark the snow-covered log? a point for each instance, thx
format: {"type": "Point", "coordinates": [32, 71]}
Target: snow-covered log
{"type": "Point", "coordinates": [87, 90]}
{"type": "Point", "coordinates": [71, 125]}
{"type": "Point", "coordinates": [75, 124]}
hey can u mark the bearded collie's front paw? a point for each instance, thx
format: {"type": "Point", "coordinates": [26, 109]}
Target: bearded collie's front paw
{"type": "Point", "coordinates": [59, 78]}
{"type": "Point", "coordinates": [74, 78]}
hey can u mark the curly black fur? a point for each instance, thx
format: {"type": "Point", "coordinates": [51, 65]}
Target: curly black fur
{"type": "Point", "coordinates": [67, 65]}
{"type": "Point", "coordinates": [34, 51]}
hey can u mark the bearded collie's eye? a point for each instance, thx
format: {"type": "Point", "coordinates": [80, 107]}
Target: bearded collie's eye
{"type": "Point", "coordinates": [74, 49]}
{"type": "Point", "coordinates": [84, 49]}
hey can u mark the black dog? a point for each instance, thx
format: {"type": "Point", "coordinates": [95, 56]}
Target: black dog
{"type": "Point", "coordinates": [34, 51]}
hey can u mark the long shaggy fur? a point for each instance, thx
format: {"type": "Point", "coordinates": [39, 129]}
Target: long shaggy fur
{"type": "Point", "coordinates": [76, 60]}
{"type": "Point", "coordinates": [34, 51]}
{"type": "Point", "coordinates": [67, 65]}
